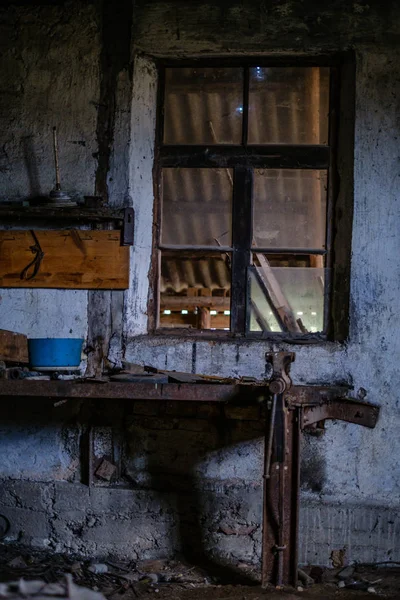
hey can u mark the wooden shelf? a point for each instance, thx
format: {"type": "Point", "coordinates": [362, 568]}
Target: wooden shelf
{"type": "Point", "coordinates": [71, 213]}
{"type": "Point", "coordinates": [121, 218]}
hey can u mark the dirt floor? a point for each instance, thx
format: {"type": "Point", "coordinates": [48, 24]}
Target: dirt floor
{"type": "Point", "coordinates": [177, 580]}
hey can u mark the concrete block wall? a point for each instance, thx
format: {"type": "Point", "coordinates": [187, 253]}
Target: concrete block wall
{"type": "Point", "coordinates": [181, 489]}
{"type": "Point", "coordinates": [135, 524]}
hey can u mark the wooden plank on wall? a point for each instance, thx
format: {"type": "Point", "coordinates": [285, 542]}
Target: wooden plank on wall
{"type": "Point", "coordinates": [13, 347]}
{"type": "Point", "coordinates": [73, 259]}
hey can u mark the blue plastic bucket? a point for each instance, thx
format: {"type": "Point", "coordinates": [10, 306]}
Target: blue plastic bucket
{"type": "Point", "coordinates": [55, 352]}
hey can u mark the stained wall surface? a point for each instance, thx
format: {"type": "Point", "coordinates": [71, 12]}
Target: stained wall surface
{"type": "Point", "coordinates": [351, 475]}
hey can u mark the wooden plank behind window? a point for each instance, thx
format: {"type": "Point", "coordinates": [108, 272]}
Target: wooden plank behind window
{"type": "Point", "coordinates": [73, 259]}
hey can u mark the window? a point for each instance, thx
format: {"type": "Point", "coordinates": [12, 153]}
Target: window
{"type": "Point", "coordinates": [246, 157]}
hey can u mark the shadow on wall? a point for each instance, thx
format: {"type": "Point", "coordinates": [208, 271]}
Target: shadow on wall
{"type": "Point", "coordinates": [31, 165]}
{"type": "Point", "coordinates": [194, 471]}
{"type": "Point", "coordinates": [209, 457]}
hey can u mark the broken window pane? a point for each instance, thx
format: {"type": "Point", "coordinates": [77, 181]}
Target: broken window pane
{"type": "Point", "coordinates": [197, 207]}
{"type": "Point", "coordinates": [203, 106]}
{"type": "Point", "coordinates": [195, 290]}
{"type": "Point", "coordinates": [286, 298]}
{"type": "Point", "coordinates": [288, 105]}
{"type": "Point", "coordinates": [289, 208]}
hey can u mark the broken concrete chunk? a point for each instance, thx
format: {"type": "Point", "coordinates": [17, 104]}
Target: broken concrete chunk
{"type": "Point", "coordinates": [105, 470]}
{"type": "Point", "coordinates": [98, 568]}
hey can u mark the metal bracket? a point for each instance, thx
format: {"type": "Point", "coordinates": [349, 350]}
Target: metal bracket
{"type": "Point", "coordinates": [276, 436]}
{"type": "Point", "coordinates": [128, 227]}
{"type": "Point", "coordinates": [342, 409]}
{"type": "Point", "coordinates": [292, 410]}
{"type": "Point", "coordinates": [280, 379]}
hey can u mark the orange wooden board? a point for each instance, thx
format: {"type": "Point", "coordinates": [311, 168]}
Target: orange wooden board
{"type": "Point", "coordinates": [13, 347]}
{"type": "Point", "coordinates": [73, 259]}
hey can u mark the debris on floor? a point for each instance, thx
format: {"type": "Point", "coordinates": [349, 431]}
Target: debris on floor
{"type": "Point", "coordinates": [40, 590]}
{"type": "Point", "coordinates": [25, 573]}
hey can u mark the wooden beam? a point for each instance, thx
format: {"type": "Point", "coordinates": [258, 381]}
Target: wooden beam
{"type": "Point", "coordinates": [182, 302]}
{"type": "Point", "coordinates": [275, 293]}
{"type": "Point", "coordinates": [204, 318]}
{"type": "Point", "coordinates": [73, 259]}
{"type": "Point", "coordinates": [268, 156]}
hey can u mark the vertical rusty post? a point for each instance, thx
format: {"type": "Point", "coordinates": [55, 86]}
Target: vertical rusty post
{"type": "Point", "coordinates": [280, 505]}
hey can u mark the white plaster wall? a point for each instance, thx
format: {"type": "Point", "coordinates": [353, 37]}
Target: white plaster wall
{"type": "Point", "coordinates": [366, 464]}
{"type": "Point", "coordinates": [141, 186]}
{"type": "Point", "coordinates": [44, 313]}
{"type": "Point", "coordinates": [49, 76]}
{"type": "Point", "coordinates": [360, 465]}
{"type": "Point", "coordinates": [39, 451]}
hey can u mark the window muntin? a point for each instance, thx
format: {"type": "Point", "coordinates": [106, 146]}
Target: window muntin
{"type": "Point", "coordinates": [275, 230]}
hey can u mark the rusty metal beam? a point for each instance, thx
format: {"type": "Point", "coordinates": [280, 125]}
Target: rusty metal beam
{"type": "Point", "coordinates": [309, 395]}
{"type": "Point", "coordinates": [344, 409]}
{"type": "Point", "coordinates": [122, 391]}
{"type": "Point", "coordinates": [201, 392]}
{"type": "Point", "coordinates": [284, 475]}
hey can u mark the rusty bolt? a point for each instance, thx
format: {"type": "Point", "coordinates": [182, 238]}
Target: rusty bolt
{"type": "Point", "coordinates": [277, 386]}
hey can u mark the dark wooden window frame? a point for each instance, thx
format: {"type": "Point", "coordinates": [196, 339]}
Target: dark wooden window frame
{"type": "Point", "coordinates": [337, 157]}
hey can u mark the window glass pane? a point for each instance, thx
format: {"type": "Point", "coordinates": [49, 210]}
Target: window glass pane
{"type": "Point", "coordinates": [195, 290]}
{"type": "Point", "coordinates": [288, 105]}
{"type": "Point", "coordinates": [289, 208]}
{"type": "Point", "coordinates": [286, 298]}
{"type": "Point", "coordinates": [203, 106]}
{"type": "Point", "coordinates": [197, 207]}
